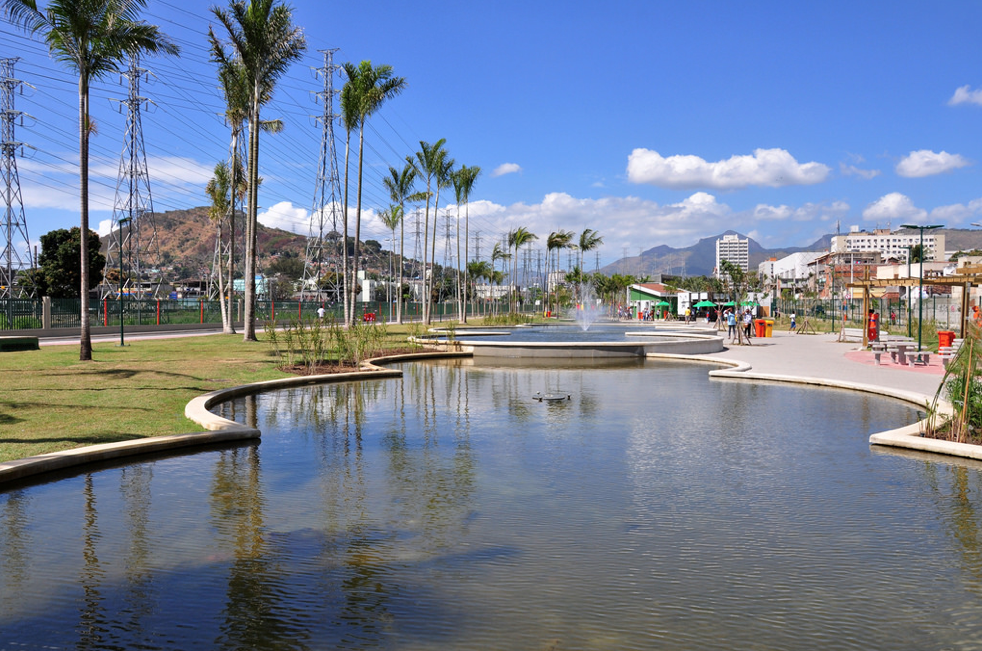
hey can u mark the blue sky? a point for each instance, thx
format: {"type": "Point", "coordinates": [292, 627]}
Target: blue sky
{"type": "Point", "coordinates": [650, 122]}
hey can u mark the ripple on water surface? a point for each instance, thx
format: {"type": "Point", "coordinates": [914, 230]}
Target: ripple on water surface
{"type": "Point", "coordinates": [655, 509]}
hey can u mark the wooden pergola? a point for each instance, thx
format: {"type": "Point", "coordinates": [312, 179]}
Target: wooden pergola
{"type": "Point", "coordinates": [965, 277]}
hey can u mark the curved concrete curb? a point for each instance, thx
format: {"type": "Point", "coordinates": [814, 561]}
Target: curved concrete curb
{"type": "Point", "coordinates": [42, 463]}
{"type": "Point", "coordinates": [220, 430]}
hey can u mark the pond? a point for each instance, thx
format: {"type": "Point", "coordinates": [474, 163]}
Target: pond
{"type": "Point", "coordinates": [655, 508]}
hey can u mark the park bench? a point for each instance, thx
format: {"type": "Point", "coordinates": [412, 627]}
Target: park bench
{"type": "Point", "coordinates": [948, 353]}
{"type": "Point", "coordinates": [912, 357]}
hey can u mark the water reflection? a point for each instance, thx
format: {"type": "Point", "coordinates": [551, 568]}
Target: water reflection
{"type": "Point", "coordinates": [449, 509]}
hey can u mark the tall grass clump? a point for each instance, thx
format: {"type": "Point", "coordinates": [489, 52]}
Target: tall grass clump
{"type": "Point", "coordinates": [313, 343]}
{"type": "Point", "coordinates": [962, 388]}
{"type": "Point", "coordinates": [507, 319]}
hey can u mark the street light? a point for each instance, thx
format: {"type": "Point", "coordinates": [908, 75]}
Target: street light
{"type": "Point", "coordinates": [920, 273]}
{"type": "Point", "coordinates": [908, 289]}
{"type": "Point", "coordinates": [122, 222]}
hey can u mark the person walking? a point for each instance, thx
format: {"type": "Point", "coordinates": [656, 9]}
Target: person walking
{"type": "Point", "coordinates": [793, 324]}
{"type": "Point", "coordinates": [731, 324]}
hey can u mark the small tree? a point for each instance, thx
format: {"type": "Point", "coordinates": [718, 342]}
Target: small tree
{"type": "Point", "coordinates": [60, 265]}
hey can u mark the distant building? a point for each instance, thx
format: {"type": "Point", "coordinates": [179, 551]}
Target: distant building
{"type": "Point", "coordinates": [791, 268]}
{"type": "Point", "coordinates": [732, 248]}
{"type": "Point", "coordinates": [891, 244]}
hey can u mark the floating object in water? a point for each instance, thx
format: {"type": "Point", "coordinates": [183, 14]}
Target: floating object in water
{"type": "Point", "coordinates": [551, 397]}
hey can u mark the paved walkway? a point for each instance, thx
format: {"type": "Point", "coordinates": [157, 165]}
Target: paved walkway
{"type": "Point", "coordinates": [821, 356]}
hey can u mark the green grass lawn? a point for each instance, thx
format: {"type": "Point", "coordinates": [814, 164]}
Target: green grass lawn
{"type": "Point", "coordinates": [51, 401]}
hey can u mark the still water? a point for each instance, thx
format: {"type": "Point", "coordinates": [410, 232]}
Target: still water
{"type": "Point", "coordinates": [655, 509]}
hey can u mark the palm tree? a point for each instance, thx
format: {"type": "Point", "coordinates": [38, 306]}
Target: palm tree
{"type": "Point", "coordinates": [498, 253]}
{"type": "Point", "coordinates": [349, 119]}
{"type": "Point", "coordinates": [264, 41]}
{"type": "Point", "coordinates": [92, 37]}
{"type": "Point", "coordinates": [557, 240]}
{"type": "Point", "coordinates": [235, 89]}
{"type": "Point", "coordinates": [463, 182]}
{"type": "Point", "coordinates": [370, 88]}
{"type": "Point", "coordinates": [219, 191]}
{"type": "Point", "coordinates": [400, 187]}
{"type": "Point", "coordinates": [517, 239]}
{"type": "Point", "coordinates": [476, 270]}
{"type": "Point", "coordinates": [392, 217]}
{"type": "Point", "coordinates": [589, 240]}
{"type": "Point", "coordinates": [431, 161]}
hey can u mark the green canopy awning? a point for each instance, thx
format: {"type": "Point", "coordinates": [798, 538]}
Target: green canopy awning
{"type": "Point", "coordinates": [729, 304]}
{"type": "Point", "coordinates": [705, 304]}
{"type": "Point", "coordinates": [662, 304]}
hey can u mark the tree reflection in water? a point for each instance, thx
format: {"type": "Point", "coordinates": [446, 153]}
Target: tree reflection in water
{"type": "Point", "coordinates": [449, 509]}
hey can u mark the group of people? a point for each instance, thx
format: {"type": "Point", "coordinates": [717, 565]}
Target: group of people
{"type": "Point", "coordinates": [746, 322]}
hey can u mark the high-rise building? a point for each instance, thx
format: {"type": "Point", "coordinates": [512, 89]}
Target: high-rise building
{"type": "Point", "coordinates": [732, 248]}
{"type": "Point", "coordinates": [892, 244]}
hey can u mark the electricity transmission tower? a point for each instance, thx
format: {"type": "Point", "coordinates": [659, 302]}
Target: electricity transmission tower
{"type": "Point", "coordinates": [136, 250]}
{"type": "Point", "coordinates": [326, 209]}
{"type": "Point", "coordinates": [14, 221]}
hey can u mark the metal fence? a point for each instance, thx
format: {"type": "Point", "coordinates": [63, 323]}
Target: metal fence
{"type": "Point", "coordinates": [944, 311]}
{"type": "Point", "coordinates": [31, 314]}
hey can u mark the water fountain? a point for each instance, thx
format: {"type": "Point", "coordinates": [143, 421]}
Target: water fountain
{"type": "Point", "coordinates": [588, 310]}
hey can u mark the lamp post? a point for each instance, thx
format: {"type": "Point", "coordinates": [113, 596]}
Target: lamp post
{"type": "Point", "coordinates": [909, 288]}
{"type": "Point", "coordinates": [122, 222]}
{"type": "Point", "coordinates": [920, 274]}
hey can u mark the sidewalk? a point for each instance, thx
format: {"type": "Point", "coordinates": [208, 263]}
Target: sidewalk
{"type": "Point", "coordinates": [821, 356]}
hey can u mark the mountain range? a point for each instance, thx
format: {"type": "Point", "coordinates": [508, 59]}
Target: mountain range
{"type": "Point", "coordinates": [700, 258]}
{"type": "Point", "coordinates": [187, 244]}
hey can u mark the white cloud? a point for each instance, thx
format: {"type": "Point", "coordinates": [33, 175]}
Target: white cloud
{"type": "Point", "coordinates": [506, 168]}
{"type": "Point", "coordinates": [957, 213]}
{"type": "Point", "coordinates": [895, 208]}
{"type": "Point", "coordinates": [104, 228]}
{"type": "Point", "coordinates": [852, 170]}
{"type": "Point", "coordinates": [285, 216]}
{"type": "Point", "coordinates": [965, 96]}
{"type": "Point", "coordinates": [925, 162]}
{"type": "Point", "coordinates": [766, 167]}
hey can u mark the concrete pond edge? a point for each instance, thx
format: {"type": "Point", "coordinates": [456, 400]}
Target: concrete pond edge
{"type": "Point", "coordinates": [218, 430]}
{"type": "Point", "coordinates": [221, 430]}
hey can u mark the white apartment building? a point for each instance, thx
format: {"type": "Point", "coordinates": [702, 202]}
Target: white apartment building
{"type": "Point", "coordinates": [790, 268]}
{"type": "Point", "coordinates": [732, 248]}
{"type": "Point", "coordinates": [892, 244]}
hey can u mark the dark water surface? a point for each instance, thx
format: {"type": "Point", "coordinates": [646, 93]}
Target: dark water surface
{"type": "Point", "coordinates": [656, 509]}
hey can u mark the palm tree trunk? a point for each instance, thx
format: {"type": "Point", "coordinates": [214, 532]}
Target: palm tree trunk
{"type": "Point", "coordinates": [426, 240]}
{"type": "Point", "coordinates": [228, 322]}
{"type": "Point", "coordinates": [436, 221]}
{"type": "Point", "coordinates": [467, 228]}
{"type": "Point", "coordinates": [344, 239]}
{"type": "Point", "coordinates": [354, 275]}
{"type": "Point", "coordinates": [402, 253]}
{"type": "Point", "coordinates": [249, 325]}
{"type": "Point", "coordinates": [221, 278]}
{"type": "Point", "coordinates": [85, 339]}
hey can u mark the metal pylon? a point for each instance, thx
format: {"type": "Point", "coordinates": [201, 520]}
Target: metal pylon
{"type": "Point", "coordinates": [137, 244]}
{"type": "Point", "coordinates": [325, 213]}
{"type": "Point", "coordinates": [14, 221]}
